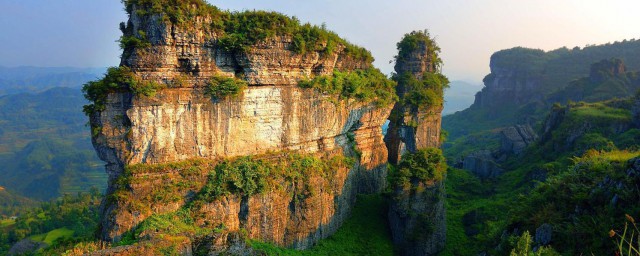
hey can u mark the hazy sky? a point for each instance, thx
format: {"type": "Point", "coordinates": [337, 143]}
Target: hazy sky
{"type": "Point", "coordinates": [83, 32]}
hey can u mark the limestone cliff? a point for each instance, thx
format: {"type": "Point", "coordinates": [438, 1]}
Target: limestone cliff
{"type": "Point", "coordinates": [303, 154]}
{"type": "Point", "coordinates": [416, 211]}
{"type": "Point", "coordinates": [509, 83]}
{"type": "Point", "coordinates": [181, 123]}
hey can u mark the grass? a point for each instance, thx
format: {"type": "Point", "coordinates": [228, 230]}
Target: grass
{"type": "Point", "coordinates": [6, 222]}
{"type": "Point", "coordinates": [364, 233]}
{"type": "Point", "coordinates": [52, 235]}
{"type": "Point", "coordinates": [466, 194]}
{"type": "Point", "coordinates": [600, 111]}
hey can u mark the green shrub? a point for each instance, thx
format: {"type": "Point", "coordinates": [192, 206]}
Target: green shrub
{"type": "Point", "coordinates": [220, 87]}
{"type": "Point", "coordinates": [240, 30]}
{"type": "Point", "coordinates": [424, 166]}
{"type": "Point", "coordinates": [117, 79]}
{"type": "Point", "coordinates": [368, 85]}
{"type": "Point", "coordinates": [423, 93]}
{"type": "Point", "coordinates": [134, 42]}
{"type": "Point", "coordinates": [524, 248]}
{"type": "Point", "coordinates": [413, 41]}
{"type": "Point", "coordinates": [365, 232]}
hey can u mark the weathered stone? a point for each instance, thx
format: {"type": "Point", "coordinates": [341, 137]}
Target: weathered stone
{"type": "Point", "coordinates": [507, 85]}
{"type": "Point", "coordinates": [417, 219]}
{"type": "Point", "coordinates": [516, 138]}
{"type": "Point", "coordinates": [272, 115]}
{"type": "Point", "coordinates": [416, 214]}
{"type": "Point", "coordinates": [25, 247]}
{"type": "Point", "coordinates": [482, 164]}
{"type": "Point", "coordinates": [544, 234]}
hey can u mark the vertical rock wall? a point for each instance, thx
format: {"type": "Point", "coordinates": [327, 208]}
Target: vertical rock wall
{"type": "Point", "coordinates": [416, 214]}
{"type": "Point", "coordinates": [273, 115]}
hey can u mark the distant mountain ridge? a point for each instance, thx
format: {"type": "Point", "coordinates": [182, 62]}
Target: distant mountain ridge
{"type": "Point", "coordinates": [37, 79]}
{"type": "Point", "coordinates": [519, 88]}
{"type": "Point", "coordinates": [45, 148]}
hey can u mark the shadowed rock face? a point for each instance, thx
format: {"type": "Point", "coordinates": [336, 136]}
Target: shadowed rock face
{"type": "Point", "coordinates": [514, 139]}
{"type": "Point", "coordinates": [417, 220]}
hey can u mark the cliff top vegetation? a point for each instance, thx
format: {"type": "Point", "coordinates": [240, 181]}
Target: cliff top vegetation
{"type": "Point", "coordinates": [240, 30]}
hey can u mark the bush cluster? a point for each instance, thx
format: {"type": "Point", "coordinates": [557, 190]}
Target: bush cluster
{"type": "Point", "coordinates": [424, 166]}
{"type": "Point", "coordinates": [425, 92]}
{"type": "Point", "coordinates": [117, 79]}
{"type": "Point", "coordinates": [412, 42]}
{"type": "Point", "coordinates": [220, 87]}
{"type": "Point", "coordinates": [364, 85]}
{"type": "Point", "coordinates": [241, 30]}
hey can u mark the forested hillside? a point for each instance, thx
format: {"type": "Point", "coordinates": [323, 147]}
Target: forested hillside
{"type": "Point", "coordinates": [45, 148]}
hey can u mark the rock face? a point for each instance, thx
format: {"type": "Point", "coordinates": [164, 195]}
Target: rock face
{"type": "Point", "coordinates": [272, 115]}
{"type": "Point", "coordinates": [603, 70]}
{"type": "Point", "coordinates": [416, 214]}
{"type": "Point", "coordinates": [508, 84]}
{"type": "Point", "coordinates": [425, 127]}
{"type": "Point", "coordinates": [513, 140]}
{"type": "Point", "coordinates": [482, 164]}
{"type": "Point", "coordinates": [193, 54]}
{"type": "Point", "coordinates": [417, 220]}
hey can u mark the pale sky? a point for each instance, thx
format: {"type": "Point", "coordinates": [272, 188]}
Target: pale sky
{"type": "Point", "coordinates": [82, 33]}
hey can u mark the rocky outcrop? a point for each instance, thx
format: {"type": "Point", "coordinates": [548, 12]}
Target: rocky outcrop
{"type": "Point", "coordinates": [180, 123]}
{"type": "Point", "coordinates": [510, 84]}
{"type": "Point", "coordinates": [26, 247]}
{"type": "Point", "coordinates": [411, 127]}
{"type": "Point", "coordinates": [514, 139]}
{"type": "Point", "coordinates": [416, 213]}
{"type": "Point", "coordinates": [417, 219]}
{"type": "Point", "coordinates": [482, 164]}
{"type": "Point", "coordinates": [605, 69]}
{"type": "Point", "coordinates": [191, 54]}
{"type": "Point", "coordinates": [553, 121]}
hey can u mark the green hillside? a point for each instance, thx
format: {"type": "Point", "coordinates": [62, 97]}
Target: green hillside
{"type": "Point", "coordinates": [45, 148]}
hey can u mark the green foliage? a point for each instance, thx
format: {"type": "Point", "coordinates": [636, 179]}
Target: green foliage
{"type": "Point", "coordinates": [419, 92]}
{"type": "Point", "coordinates": [426, 165]}
{"type": "Point", "coordinates": [558, 76]}
{"type": "Point", "coordinates": [368, 85]}
{"type": "Point", "coordinates": [627, 244]}
{"type": "Point", "coordinates": [523, 248]}
{"type": "Point", "coordinates": [248, 176]}
{"type": "Point", "coordinates": [117, 79]}
{"type": "Point", "coordinates": [139, 41]}
{"type": "Point", "coordinates": [243, 176]}
{"type": "Point", "coordinates": [413, 42]}
{"type": "Point", "coordinates": [58, 223]}
{"type": "Point", "coordinates": [220, 87]}
{"type": "Point", "coordinates": [245, 29]}
{"type": "Point", "coordinates": [364, 233]}
{"type": "Point", "coordinates": [582, 203]}
{"type": "Point", "coordinates": [423, 93]}
{"type": "Point", "coordinates": [175, 11]}
{"type": "Point", "coordinates": [241, 30]}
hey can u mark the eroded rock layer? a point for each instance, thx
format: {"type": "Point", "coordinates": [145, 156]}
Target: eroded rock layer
{"type": "Point", "coordinates": [181, 123]}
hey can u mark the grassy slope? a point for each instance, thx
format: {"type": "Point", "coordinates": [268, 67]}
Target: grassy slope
{"type": "Point", "coordinates": [364, 233]}
{"type": "Point", "coordinates": [488, 205]}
